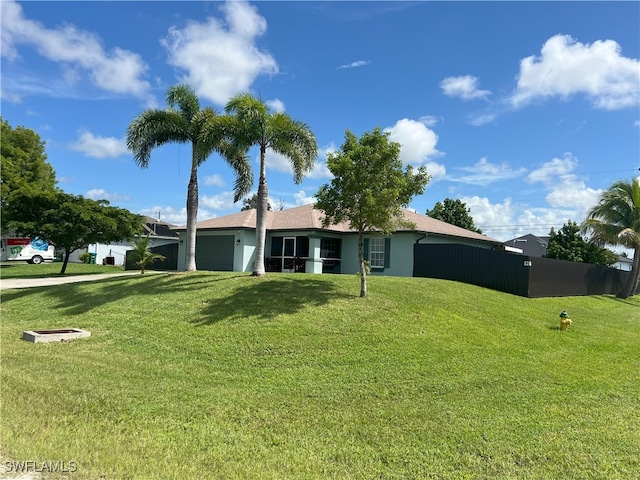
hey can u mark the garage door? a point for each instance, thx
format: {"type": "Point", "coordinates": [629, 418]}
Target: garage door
{"type": "Point", "coordinates": [215, 253]}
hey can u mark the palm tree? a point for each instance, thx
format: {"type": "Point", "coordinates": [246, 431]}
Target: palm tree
{"type": "Point", "coordinates": [142, 254]}
{"type": "Point", "coordinates": [183, 122]}
{"type": "Point", "coordinates": [616, 221]}
{"type": "Point", "coordinates": [256, 125]}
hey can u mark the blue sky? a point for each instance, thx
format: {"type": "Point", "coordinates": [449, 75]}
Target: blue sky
{"type": "Point", "coordinates": [523, 110]}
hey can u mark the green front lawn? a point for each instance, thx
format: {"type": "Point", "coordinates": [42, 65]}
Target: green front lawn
{"type": "Point", "coordinates": [52, 269]}
{"type": "Point", "coordinates": [211, 375]}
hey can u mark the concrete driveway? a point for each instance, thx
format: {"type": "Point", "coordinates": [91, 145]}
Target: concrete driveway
{"type": "Point", "coordinates": [45, 282]}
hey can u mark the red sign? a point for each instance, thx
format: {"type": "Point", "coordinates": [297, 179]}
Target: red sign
{"type": "Point", "coordinates": [18, 241]}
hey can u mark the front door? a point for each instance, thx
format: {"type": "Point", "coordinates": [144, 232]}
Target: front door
{"type": "Point", "coordinates": [288, 254]}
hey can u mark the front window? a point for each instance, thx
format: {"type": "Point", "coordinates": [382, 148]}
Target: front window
{"type": "Point", "coordinates": [330, 247]}
{"type": "Point", "coordinates": [376, 253]}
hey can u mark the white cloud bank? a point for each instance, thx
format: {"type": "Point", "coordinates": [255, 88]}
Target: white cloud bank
{"type": "Point", "coordinates": [78, 51]}
{"type": "Point", "coordinates": [220, 56]}
{"type": "Point", "coordinates": [99, 147]}
{"type": "Point", "coordinates": [567, 197]}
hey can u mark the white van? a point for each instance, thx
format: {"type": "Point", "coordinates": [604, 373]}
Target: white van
{"type": "Point", "coordinates": [26, 250]}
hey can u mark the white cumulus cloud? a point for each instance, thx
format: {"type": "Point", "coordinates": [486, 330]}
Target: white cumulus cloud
{"type": "Point", "coordinates": [566, 67]}
{"type": "Point", "coordinates": [221, 201]}
{"type": "Point", "coordinates": [417, 141]}
{"type": "Point", "coordinates": [99, 147]}
{"type": "Point", "coordinates": [565, 189]}
{"type": "Point", "coordinates": [276, 105]}
{"type": "Point", "coordinates": [220, 57]}
{"type": "Point", "coordinates": [78, 51]}
{"type": "Point", "coordinates": [301, 198]}
{"type": "Point", "coordinates": [550, 171]}
{"type": "Point", "coordinates": [464, 87]}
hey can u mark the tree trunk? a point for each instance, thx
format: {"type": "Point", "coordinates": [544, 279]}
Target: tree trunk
{"type": "Point", "coordinates": [261, 214]}
{"type": "Point", "coordinates": [67, 253]}
{"type": "Point", "coordinates": [363, 268]}
{"type": "Point", "coordinates": [192, 215]}
{"type": "Point", "coordinates": [631, 287]}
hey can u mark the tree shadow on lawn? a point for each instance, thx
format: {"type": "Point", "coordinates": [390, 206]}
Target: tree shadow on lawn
{"type": "Point", "coordinates": [247, 296]}
{"type": "Point", "coordinates": [265, 299]}
{"type": "Point", "coordinates": [81, 297]}
{"type": "Point", "coordinates": [633, 301]}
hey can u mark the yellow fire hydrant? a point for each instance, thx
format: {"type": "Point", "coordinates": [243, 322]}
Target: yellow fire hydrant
{"type": "Point", "coordinates": [565, 321]}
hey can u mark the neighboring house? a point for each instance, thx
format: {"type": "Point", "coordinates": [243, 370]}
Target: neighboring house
{"type": "Point", "coordinates": [297, 241]}
{"type": "Point", "coordinates": [530, 245]}
{"type": "Point", "coordinates": [623, 263]}
{"type": "Point", "coordinates": [160, 233]}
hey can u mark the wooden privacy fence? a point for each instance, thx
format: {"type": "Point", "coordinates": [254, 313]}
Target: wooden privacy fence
{"type": "Point", "coordinates": [514, 273]}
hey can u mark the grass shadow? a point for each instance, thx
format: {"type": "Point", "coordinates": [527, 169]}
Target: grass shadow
{"type": "Point", "coordinates": [81, 297]}
{"type": "Point", "coordinates": [268, 298]}
{"type": "Point", "coordinates": [223, 296]}
{"type": "Point", "coordinates": [633, 301]}
{"type": "Point", "coordinates": [52, 270]}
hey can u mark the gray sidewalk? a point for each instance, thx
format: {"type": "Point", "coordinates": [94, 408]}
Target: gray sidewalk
{"type": "Point", "coordinates": [48, 281]}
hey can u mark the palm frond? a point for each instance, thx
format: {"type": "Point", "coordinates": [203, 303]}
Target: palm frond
{"type": "Point", "coordinates": [295, 140]}
{"type": "Point", "coordinates": [185, 99]}
{"type": "Point", "coordinates": [253, 117]}
{"type": "Point", "coordinates": [153, 128]}
{"type": "Point", "coordinates": [616, 217]}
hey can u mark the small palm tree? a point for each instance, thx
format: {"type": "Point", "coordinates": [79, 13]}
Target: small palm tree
{"type": "Point", "coordinates": [256, 125]}
{"type": "Point", "coordinates": [183, 122]}
{"type": "Point", "coordinates": [142, 254]}
{"type": "Point", "coordinates": [616, 221]}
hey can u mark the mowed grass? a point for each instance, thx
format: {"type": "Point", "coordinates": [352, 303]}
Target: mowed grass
{"type": "Point", "coordinates": [212, 375]}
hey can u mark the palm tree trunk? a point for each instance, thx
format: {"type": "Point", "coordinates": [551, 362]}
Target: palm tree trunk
{"type": "Point", "coordinates": [261, 214]}
{"type": "Point", "coordinates": [363, 268]}
{"type": "Point", "coordinates": [632, 285]}
{"type": "Point", "coordinates": [192, 215]}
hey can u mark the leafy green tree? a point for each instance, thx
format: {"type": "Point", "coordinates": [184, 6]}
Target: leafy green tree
{"type": "Point", "coordinates": [369, 189]}
{"type": "Point", "coordinates": [615, 220]}
{"type": "Point", "coordinates": [454, 212]}
{"type": "Point", "coordinates": [23, 164]}
{"type": "Point", "coordinates": [568, 244]}
{"type": "Point", "coordinates": [185, 122]}
{"type": "Point", "coordinates": [252, 202]}
{"type": "Point", "coordinates": [70, 221]}
{"type": "Point", "coordinates": [142, 254]}
{"type": "Point", "coordinates": [256, 125]}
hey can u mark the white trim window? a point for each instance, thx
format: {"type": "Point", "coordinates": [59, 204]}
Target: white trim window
{"type": "Point", "coordinates": [376, 253]}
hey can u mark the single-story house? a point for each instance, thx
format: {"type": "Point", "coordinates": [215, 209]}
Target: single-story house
{"type": "Point", "coordinates": [297, 241]}
{"type": "Point", "coordinates": [530, 245]}
{"type": "Point", "coordinates": [160, 233]}
{"type": "Point", "coordinates": [623, 263]}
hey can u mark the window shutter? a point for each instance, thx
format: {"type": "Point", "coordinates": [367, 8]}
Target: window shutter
{"type": "Point", "coordinates": [365, 249]}
{"type": "Point", "coordinates": [387, 252]}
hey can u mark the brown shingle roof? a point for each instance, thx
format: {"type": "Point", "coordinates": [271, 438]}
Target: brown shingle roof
{"type": "Point", "coordinates": [308, 218]}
